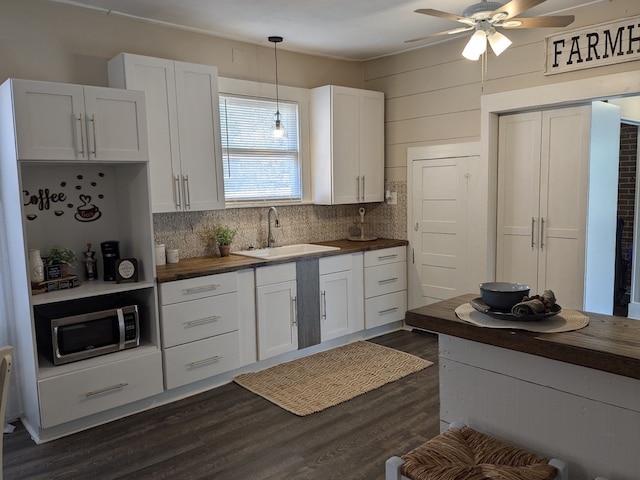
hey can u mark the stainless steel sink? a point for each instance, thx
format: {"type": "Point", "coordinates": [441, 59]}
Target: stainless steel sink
{"type": "Point", "coordinates": [285, 251]}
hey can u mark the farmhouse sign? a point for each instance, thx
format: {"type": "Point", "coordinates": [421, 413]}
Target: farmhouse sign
{"type": "Point", "coordinates": [595, 46]}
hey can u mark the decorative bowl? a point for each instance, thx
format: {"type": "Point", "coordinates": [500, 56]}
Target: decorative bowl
{"type": "Point", "coordinates": [503, 296]}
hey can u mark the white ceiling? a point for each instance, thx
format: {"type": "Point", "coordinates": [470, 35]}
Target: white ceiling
{"type": "Point", "coordinates": [344, 29]}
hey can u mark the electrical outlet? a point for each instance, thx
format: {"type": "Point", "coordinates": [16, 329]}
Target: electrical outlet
{"type": "Point", "coordinates": [392, 198]}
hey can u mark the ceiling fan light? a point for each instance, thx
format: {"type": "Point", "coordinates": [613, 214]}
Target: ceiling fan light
{"type": "Point", "coordinates": [499, 42]}
{"type": "Point", "coordinates": [476, 46]}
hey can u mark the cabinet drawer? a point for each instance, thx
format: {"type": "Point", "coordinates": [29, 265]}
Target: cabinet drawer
{"type": "Point", "coordinates": [384, 256]}
{"type": "Point", "coordinates": [188, 321]}
{"type": "Point", "coordinates": [385, 309]}
{"type": "Point", "coordinates": [202, 359]}
{"type": "Point", "coordinates": [385, 279]}
{"type": "Point", "coordinates": [199, 287]}
{"type": "Point", "coordinates": [85, 392]}
{"type": "Point", "coordinates": [275, 274]}
{"type": "Point", "coordinates": [337, 263]}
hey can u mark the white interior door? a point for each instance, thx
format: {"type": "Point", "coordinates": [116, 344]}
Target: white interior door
{"type": "Point", "coordinates": [441, 188]}
{"type": "Point", "coordinates": [563, 204]}
{"type": "Point", "coordinates": [518, 216]}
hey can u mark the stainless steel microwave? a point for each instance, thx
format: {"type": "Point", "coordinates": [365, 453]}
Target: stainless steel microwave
{"type": "Point", "coordinates": [91, 334]}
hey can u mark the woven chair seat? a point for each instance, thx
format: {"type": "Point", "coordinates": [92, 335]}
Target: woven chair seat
{"type": "Point", "coordinates": [465, 454]}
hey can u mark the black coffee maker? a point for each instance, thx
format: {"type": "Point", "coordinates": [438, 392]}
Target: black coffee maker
{"type": "Point", "coordinates": [110, 253]}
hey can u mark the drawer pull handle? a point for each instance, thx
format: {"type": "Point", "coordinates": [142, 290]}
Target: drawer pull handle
{"type": "Point", "coordinates": [294, 312]}
{"type": "Point", "coordinates": [204, 361]}
{"type": "Point", "coordinates": [388, 280]}
{"type": "Point", "coordinates": [176, 192]}
{"type": "Point", "coordinates": [387, 257]}
{"type": "Point", "coordinates": [200, 321]}
{"type": "Point", "coordinates": [388, 310]}
{"type": "Point", "coordinates": [81, 148]}
{"type": "Point", "coordinates": [203, 288]}
{"type": "Point", "coordinates": [324, 305]}
{"type": "Point", "coordinates": [106, 390]}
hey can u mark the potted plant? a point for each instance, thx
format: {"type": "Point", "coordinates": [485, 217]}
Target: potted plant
{"type": "Point", "coordinates": [222, 236]}
{"type": "Point", "coordinates": [62, 256]}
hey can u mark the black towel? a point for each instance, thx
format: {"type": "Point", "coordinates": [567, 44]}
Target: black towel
{"type": "Point", "coordinates": [535, 305]}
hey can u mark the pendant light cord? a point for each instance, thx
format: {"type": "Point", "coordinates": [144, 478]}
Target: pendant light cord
{"type": "Point", "coordinates": [275, 50]}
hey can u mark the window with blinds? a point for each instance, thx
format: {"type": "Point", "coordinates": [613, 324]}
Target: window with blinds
{"type": "Point", "coordinates": [256, 165]}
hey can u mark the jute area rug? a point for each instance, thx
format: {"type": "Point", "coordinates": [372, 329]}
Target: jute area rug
{"type": "Point", "coordinates": [314, 383]}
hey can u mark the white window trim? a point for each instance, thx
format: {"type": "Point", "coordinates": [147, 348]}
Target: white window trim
{"type": "Point", "coordinates": [233, 86]}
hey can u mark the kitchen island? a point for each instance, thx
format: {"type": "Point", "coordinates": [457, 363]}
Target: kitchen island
{"type": "Point", "coordinates": [573, 395]}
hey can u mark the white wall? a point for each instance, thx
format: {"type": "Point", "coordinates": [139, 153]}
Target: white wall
{"type": "Point", "coordinates": [433, 94]}
{"type": "Point", "coordinates": [43, 40]}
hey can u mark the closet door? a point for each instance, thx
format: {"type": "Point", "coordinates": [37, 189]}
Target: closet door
{"type": "Point", "coordinates": [518, 215]}
{"type": "Point", "coordinates": [564, 183]}
{"type": "Point", "coordinates": [442, 191]}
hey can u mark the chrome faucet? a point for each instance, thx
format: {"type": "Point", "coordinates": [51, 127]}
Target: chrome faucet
{"type": "Point", "coordinates": [271, 242]}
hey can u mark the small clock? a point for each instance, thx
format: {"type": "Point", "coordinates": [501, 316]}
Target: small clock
{"type": "Point", "coordinates": [126, 270]}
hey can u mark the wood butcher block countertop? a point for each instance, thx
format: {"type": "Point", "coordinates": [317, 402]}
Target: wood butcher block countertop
{"type": "Point", "coordinates": [608, 343]}
{"type": "Point", "coordinates": [201, 266]}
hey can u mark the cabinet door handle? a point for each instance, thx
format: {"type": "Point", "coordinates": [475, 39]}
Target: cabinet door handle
{"type": "Point", "coordinates": [177, 194]}
{"type": "Point", "coordinates": [388, 280]}
{"type": "Point", "coordinates": [388, 310]}
{"type": "Point", "coordinates": [187, 194]}
{"type": "Point", "coordinates": [106, 390]}
{"type": "Point", "coordinates": [81, 135]}
{"type": "Point", "coordinates": [200, 321]}
{"type": "Point", "coordinates": [362, 188]}
{"type": "Point", "coordinates": [416, 226]}
{"type": "Point", "coordinates": [358, 184]}
{"type": "Point", "coordinates": [204, 361]}
{"type": "Point", "coordinates": [324, 304]}
{"type": "Point", "coordinates": [533, 242]}
{"type": "Point", "coordinates": [95, 138]}
{"type": "Point", "coordinates": [387, 257]}
{"type": "Point", "coordinates": [294, 311]}
{"type": "Point", "coordinates": [541, 233]}
{"type": "Point", "coordinates": [202, 288]}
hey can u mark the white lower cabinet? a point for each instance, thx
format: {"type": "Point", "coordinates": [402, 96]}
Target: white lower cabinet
{"type": "Point", "coordinates": [201, 359]}
{"type": "Point", "coordinates": [385, 286]}
{"type": "Point", "coordinates": [200, 327]}
{"type": "Point", "coordinates": [276, 295]}
{"type": "Point", "coordinates": [341, 296]}
{"type": "Point", "coordinates": [78, 394]}
{"type": "Point", "coordinates": [385, 309]}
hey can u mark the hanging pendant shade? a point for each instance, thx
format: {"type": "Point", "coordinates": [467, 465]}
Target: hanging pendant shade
{"type": "Point", "coordinates": [278, 129]}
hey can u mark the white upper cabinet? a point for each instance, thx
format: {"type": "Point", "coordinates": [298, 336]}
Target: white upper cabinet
{"type": "Point", "coordinates": [347, 145]}
{"type": "Point", "coordinates": [58, 121]}
{"type": "Point", "coordinates": [184, 129]}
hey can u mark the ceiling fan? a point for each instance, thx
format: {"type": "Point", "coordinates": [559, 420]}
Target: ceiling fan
{"type": "Point", "coordinates": [485, 17]}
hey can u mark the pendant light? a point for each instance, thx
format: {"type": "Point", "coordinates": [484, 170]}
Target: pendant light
{"type": "Point", "coordinates": [278, 129]}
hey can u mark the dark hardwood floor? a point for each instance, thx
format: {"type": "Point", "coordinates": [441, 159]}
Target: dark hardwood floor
{"type": "Point", "coordinates": [229, 433]}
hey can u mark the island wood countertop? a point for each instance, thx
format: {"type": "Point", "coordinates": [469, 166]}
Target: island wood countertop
{"type": "Point", "coordinates": [201, 266]}
{"type": "Point", "coordinates": [608, 343]}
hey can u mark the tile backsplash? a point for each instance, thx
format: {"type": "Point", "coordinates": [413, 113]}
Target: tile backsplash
{"type": "Point", "coordinates": [299, 224]}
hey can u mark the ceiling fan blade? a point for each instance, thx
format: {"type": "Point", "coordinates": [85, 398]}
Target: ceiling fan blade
{"type": "Point", "coordinates": [538, 22]}
{"type": "Point", "coordinates": [441, 34]}
{"type": "Point", "coordinates": [515, 7]}
{"type": "Point", "coordinates": [448, 16]}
